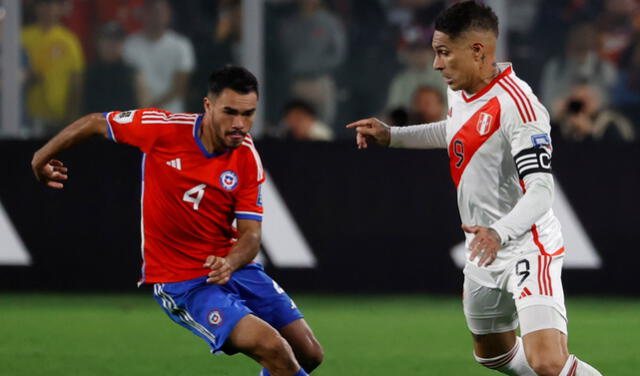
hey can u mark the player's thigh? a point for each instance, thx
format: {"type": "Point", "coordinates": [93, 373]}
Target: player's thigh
{"type": "Point", "coordinates": [491, 317]}
{"type": "Point", "coordinates": [536, 284]}
{"type": "Point", "coordinates": [209, 311]}
{"type": "Point", "coordinates": [265, 297]}
{"type": "Point", "coordinates": [488, 310]}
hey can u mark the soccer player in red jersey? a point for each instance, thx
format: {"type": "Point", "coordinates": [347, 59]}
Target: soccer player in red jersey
{"type": "Point", "coordinates": [497, 135]}
{"type": "Point", "coordinates": [200, 172]}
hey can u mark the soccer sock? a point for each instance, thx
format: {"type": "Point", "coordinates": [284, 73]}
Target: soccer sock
{"type": "Point", "coordinates": [513, 363]}
{"type": "Point", "coordinates": [576, 367]}
{"type": "Point", "coordinates": [264, 372]}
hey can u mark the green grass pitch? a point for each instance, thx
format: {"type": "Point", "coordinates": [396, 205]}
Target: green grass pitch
{"type": "Point", "coordinates": [371, 335]}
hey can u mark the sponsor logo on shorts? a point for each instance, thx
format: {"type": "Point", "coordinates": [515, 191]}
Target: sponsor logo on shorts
{"type": "Point", "coordinates": [229, 180]}
{"type": "Point", "coordinates": [215, 317]}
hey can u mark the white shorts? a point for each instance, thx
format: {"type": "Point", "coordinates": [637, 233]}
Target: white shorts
{"type": "Point", "coordinates": [528, 285]}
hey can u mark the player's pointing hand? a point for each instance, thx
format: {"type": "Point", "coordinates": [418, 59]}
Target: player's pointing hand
{"type": "Point", "coordinates": [371, 129]}
{"type": "Point", "coordinates": [486, 243]}
{"type": "Point", "coordinates": [52, 173]}
{"type": "Point", "coordinates": [220, 270]}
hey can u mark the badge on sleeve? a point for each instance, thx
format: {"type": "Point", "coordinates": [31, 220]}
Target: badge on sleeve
{"type": "Point", "coordinates": [125, 117]}
{"type": "Point", "coordinates": [259, 202]}
{"type": "Point", "coordinates": [539, 140]}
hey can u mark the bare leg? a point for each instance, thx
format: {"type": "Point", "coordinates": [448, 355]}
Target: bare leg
{"type": "Point", "coordinates": [306, 347]}
{"type": "Point", "coordinates": [502, 352]}
{"type": "Point", "coordinates": [258, 340]}
{"type": "Point", "coordinates": [546, 351]}
{"type": "Point", "coordinates": [494, 344]}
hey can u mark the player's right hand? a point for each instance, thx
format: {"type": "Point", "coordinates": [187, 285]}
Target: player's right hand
{"type": "Point", "coordinates": [53, 173]}
{"type": "Point", "coordinates": [220, 270]}
{"type": "Point", "coordinates": [371, 129]}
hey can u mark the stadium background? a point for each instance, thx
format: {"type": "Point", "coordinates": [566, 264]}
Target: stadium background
{"type": "Point", "coordinates": [363, 229]}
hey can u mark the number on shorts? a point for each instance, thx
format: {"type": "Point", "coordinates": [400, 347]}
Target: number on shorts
{"type": "Point", "coordinates": [522, 271]}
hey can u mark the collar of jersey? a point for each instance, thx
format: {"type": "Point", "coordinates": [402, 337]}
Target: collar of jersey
{"type": "Point", "coordinates": [196, 132]}
{"type": "Point", "coordinates": [507, 71]}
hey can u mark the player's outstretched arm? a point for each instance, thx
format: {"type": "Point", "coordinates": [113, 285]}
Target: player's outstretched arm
{"type": "Point", "coordinates": [371, 129]}
{"type": "Point", "coordinates": [419, 136]}
{"type": "Point", "coordinates": [245, 250]}
{"type": "Point", "coordinates": [51, 171]}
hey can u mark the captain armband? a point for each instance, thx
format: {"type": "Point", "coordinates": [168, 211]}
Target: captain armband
{"type": "Point", "coordinates": [536, 159]}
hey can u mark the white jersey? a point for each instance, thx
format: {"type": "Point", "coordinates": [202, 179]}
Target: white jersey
{"type": "Point", "coordinates": [496, 138]}
{"type": "Point", "coordinates": [499, 145]}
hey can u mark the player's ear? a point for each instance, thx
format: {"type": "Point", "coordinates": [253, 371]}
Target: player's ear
{"type": "Point", "coordinates": [207, 104]}
{"type": "Point", "coordinates": [478, 51]}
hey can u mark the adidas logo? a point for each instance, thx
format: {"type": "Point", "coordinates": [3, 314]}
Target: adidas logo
{"type": "Point", "coordinates": [175, 163]}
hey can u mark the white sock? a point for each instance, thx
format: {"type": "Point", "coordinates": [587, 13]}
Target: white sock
{"type": "Point", "coordinates": [576, 367]}
{"type": "Point", "coordinates": [513, 363]}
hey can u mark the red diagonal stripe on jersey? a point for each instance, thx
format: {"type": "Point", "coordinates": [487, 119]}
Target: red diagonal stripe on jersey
{"type": "Point", "coordinates": [518, 88]}
{"type": "Point", "coordinates": [513, 97]}
{"type": "Point", "coordinates": [526, 291]}
{"type": "Point", "coordinates": [471, 139]}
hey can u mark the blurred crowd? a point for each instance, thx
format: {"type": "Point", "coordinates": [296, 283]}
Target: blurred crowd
{"type": "Point", "coordinates": [327, 62]}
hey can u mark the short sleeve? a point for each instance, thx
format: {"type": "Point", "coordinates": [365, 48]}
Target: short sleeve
{"type": "Point", "coordinates": [140, 128]}
{"type": "Point", "coordinates": [249, 195]}
{"type": "Point", "coordinates": [529, 137]}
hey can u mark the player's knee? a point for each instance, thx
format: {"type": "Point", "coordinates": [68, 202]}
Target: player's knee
{"type": "Point", "coordinates": [312, 357]}
{"type": "Point", "coordinates": [545, 365]}
{"type": "Point", "coordinates": [276, 351]}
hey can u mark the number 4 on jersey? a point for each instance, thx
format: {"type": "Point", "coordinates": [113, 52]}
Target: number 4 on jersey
{"type": "Point", "coordinates": [195, 195]}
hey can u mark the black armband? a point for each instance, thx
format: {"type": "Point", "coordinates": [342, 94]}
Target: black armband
{"type": "Point", "coordinates": [537, 159]}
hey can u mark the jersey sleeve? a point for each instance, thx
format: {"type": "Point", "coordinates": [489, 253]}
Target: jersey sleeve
{"type": "Point", "coordinates": [136, 127]}
{"type": "Point", "coordinates": [249, 195]}
{"type": "Point", "coordinates": [530, 140]}
{"type": "Point", "coordinates": [531, 150]}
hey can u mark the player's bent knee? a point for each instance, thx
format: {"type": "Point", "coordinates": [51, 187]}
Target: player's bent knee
{"type": "Point", "coordinates": [546, 366]}
{"type": "Point", "coordinates": [313, 357]}
{"type": "Point", "coordinates": [275, 350]}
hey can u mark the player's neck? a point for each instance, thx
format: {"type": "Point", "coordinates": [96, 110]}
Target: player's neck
{"type": "Point", "coordinates": [207, 138]}
{"type": "Point", "coordinates": [485, 79]}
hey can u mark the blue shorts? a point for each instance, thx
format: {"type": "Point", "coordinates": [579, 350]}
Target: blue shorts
{"type": "Point", "coordinates": [212, 311]}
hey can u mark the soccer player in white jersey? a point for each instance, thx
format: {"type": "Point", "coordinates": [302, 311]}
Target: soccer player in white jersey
{"type": "Point", "coordinates": [497, 136]}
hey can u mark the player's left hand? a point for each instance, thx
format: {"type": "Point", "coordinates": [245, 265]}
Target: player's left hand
{"type": "Point", "coordinates": [486, 243]}
{"type": "Point", "coordinates": [220, 270]}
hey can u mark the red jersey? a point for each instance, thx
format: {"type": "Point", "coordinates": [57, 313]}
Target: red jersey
{"type": "Point", "coordinates": [190, 197]}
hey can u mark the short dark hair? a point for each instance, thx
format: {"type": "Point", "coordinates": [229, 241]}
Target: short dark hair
{"type": "Point", "coordinates": [300, 104]}
{"type": "Point", "coordinates": [466, 16]}
{"type": "Point", "coordinates": [233, 77]}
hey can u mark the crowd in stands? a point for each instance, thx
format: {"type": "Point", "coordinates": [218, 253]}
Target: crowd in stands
{"type": "Point", "coordinates": [327, 62]}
